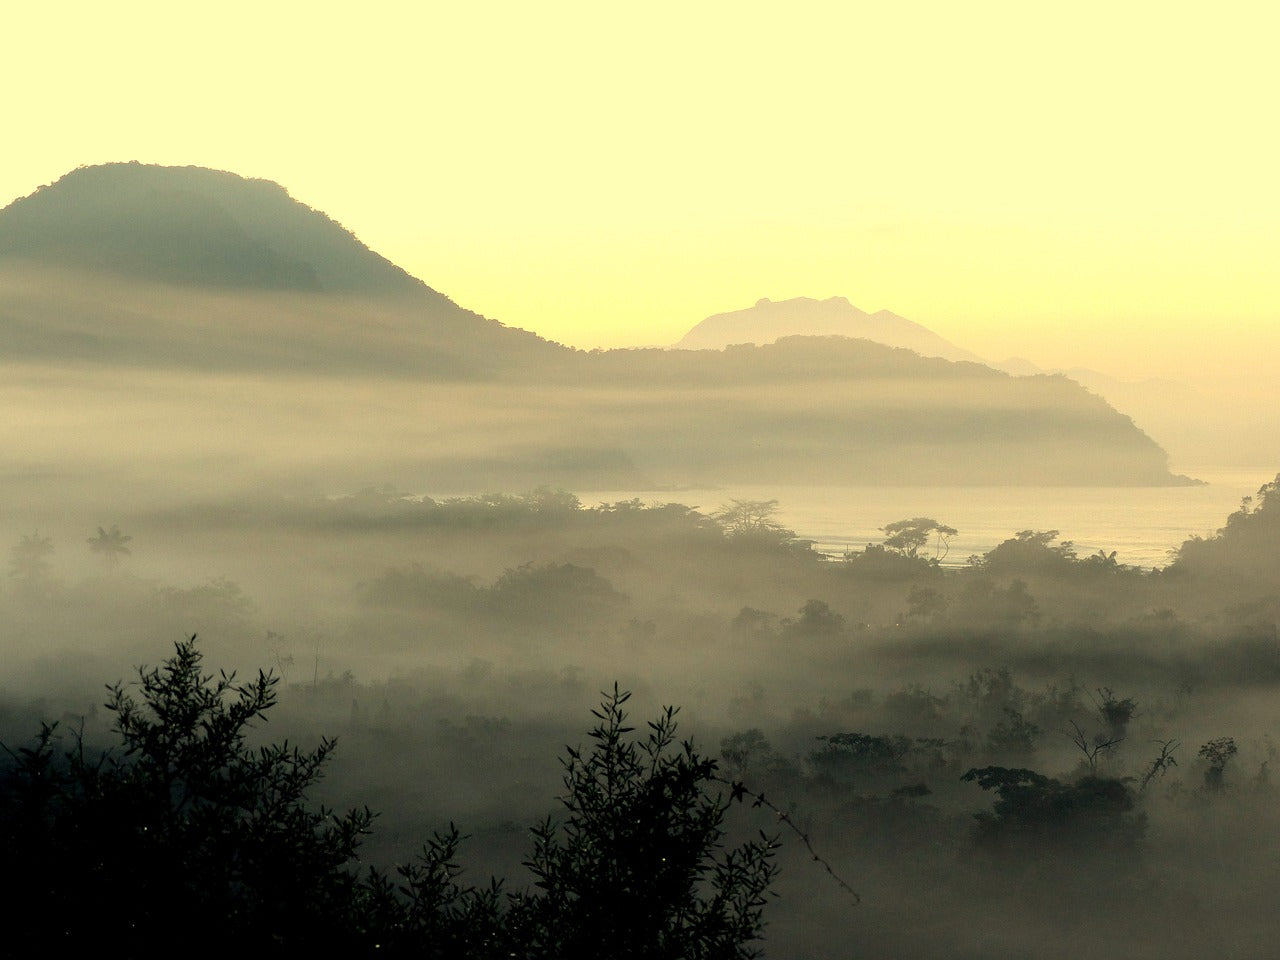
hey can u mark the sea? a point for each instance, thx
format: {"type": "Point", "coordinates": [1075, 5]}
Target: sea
{"type": "Point", "coordinates": [1143, 525]}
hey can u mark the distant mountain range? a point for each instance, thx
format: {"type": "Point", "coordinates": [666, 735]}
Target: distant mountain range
{"type": "Point", "coordinates": [132, 275]}
{"type": "Point", "coordinates": [769, 321]}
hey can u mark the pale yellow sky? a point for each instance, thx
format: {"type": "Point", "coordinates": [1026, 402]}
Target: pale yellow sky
{"type": "Point", "coordinates": [1092, 183]}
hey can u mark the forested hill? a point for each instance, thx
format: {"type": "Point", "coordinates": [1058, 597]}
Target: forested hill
{"type": "Point", "coordinates": [193, 226]}
{"type": "Point", "coordinates": [139, 265]}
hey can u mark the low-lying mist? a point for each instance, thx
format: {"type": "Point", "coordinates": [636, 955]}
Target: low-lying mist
{"type": "Point", "coordinates": [1039, 754]}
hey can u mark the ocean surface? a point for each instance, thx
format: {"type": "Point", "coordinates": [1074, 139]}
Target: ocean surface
{"type": "Point", "coordinates": [1144, 525]}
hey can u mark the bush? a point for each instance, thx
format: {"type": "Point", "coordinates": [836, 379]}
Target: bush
{"type": "Point", "coordinates": [185, 830]}
{"type": "Point", "coordinates": [186, 840]}
{"type": "Point", "coordinates": [1039, 812]}
{"type": "Point", "coordinates": [637, 869]}
{"type": "Point", "coordinates": [544, 594]}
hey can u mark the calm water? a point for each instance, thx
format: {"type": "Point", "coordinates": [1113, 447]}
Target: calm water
{"type": "Point", "coordinates": [1142, 524]}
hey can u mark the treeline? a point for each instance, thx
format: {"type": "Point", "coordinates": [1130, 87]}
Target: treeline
{"type": "Point", "coordinates": [386, 570]}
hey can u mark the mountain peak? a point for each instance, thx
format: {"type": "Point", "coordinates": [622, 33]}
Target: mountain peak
{"type": "Point", "coordinates": [769, 321]}
{"type": "Point", "coordinates": [192, 268]}
{"type": "Point", "coordinates": [191, 226]}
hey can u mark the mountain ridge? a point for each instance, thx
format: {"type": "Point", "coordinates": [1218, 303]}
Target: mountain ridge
{"type": "Point", "coordinates": [150, 273]}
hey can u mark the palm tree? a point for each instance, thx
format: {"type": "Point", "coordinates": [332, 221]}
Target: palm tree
{"type": "Point", "coordinates": [111, 544]}
{"type": "Point", "coordinates": [29, 559]}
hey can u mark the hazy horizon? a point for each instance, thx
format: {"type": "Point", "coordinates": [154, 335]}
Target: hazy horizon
{"type": "Point", "coordinates": [1213, 420]}
{"type": "Point", "coordinates": [984, 636]}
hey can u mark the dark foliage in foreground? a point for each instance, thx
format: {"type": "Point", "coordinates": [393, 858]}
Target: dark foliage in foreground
{"type": "Point", "coordinates": [186, 840]}
{"type": "Point", "coordinates": [185, 830]}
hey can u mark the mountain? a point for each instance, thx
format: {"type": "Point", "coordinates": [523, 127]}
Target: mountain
{"type": "Point", "coordinates": [185, 267]}
{"type": "Point", "coordinates": [1167, 393]}
{"type": "Point", "coordinates": [172, 329]}
{"type": "Point", "coordinates": [836, 410]}
{"type": "Point", "coordinates": [1195, 426]}
{"type": "Point", "coordinates": [768, 321]}
{"type": "Point", "coordinates": [192, 226]}
{"type": "Point", "coordinates": [1173, 411]}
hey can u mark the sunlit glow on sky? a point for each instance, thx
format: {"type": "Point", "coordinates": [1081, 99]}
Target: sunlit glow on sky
{"type": "Point", "coordinates": [1088, 184]}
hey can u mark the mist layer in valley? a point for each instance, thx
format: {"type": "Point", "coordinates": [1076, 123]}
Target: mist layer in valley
{"type": "Point", "coordinates": [455, 646]}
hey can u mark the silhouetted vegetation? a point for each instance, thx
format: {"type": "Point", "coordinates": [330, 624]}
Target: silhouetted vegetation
{"type": "Point", "coordinates": [181, 829]}
{"type": "Point", "coordinates": [110, 544]}
{"type": "Point", "coordinates": [1033, 810]}
{"type": "Point", "coordinates": [184, 828]}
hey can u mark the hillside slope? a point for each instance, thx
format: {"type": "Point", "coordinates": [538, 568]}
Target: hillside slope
{"type": "Point", "coordinates": [190, 268]}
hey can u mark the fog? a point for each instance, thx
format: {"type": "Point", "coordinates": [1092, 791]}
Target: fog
{"type": "Point", "coordinates": [340, 389]}
{"type": "Point", "coordinates": [455, 645]}
{"type": "Point", "coordinates": [319, 467]}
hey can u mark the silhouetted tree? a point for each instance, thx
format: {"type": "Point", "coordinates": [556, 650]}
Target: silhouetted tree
{"type": "Point", "coordinates": [544, 593]}
{"type": "Point", "coordinates": [982, 602]}
{"type": "Point", "coordinates": [1115, 713]}
{"type": "Point", "coordinates": [925, 603]}
{"type": "Point", "coordinates": [816, 620]}
{"type": "Point", "coordinates": [185, 831]}
{"type": "Point", "coordinates": [1030, 551]}
{"type": "Point", "coordinates": [753, 624]}
{"type": "Point", "coordinates": [1217, 753]}
{"type": "Point", "coordinates": [1034, 810]}
{"type": "Point", "coordinates": [751, 521]}
{"type": "Point", "coordinates": [1162, 764]}
{"type": "Point", "coordinates": [908, 536]}
{"type": "Point", "coordinates": [638, 867]}
{"type": "Point", "coordinates": [29, 560]}
{"type": "Point", "coordinates": [748, 517]}
{"type": "Point", "coordinates": [1013, 735]}
{"type": "Point", "coordinates": [877, 562]}
{"type": "Point", "coordinates": [110, 544]}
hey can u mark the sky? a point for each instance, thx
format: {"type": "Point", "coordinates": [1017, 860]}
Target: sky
{"type": "Point", "coordinates": [1088, 184]}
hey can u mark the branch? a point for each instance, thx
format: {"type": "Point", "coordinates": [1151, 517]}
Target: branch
{"type": "Point", "coordinates": [738, 791]}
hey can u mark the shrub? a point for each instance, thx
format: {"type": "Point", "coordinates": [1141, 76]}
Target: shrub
{"type": "Point", "coordinates": [1038, 811]}
{"type": "Point", "coordinates": [186, 840]}
{"type": "Point", "coordinates": [185, 830]}
{"type": "Point", "coordinates": [638, 867]}
{"type": "Point", "coordinates": [547, 593]}
{"type": "Point", "coordinates": [1217, 753]}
